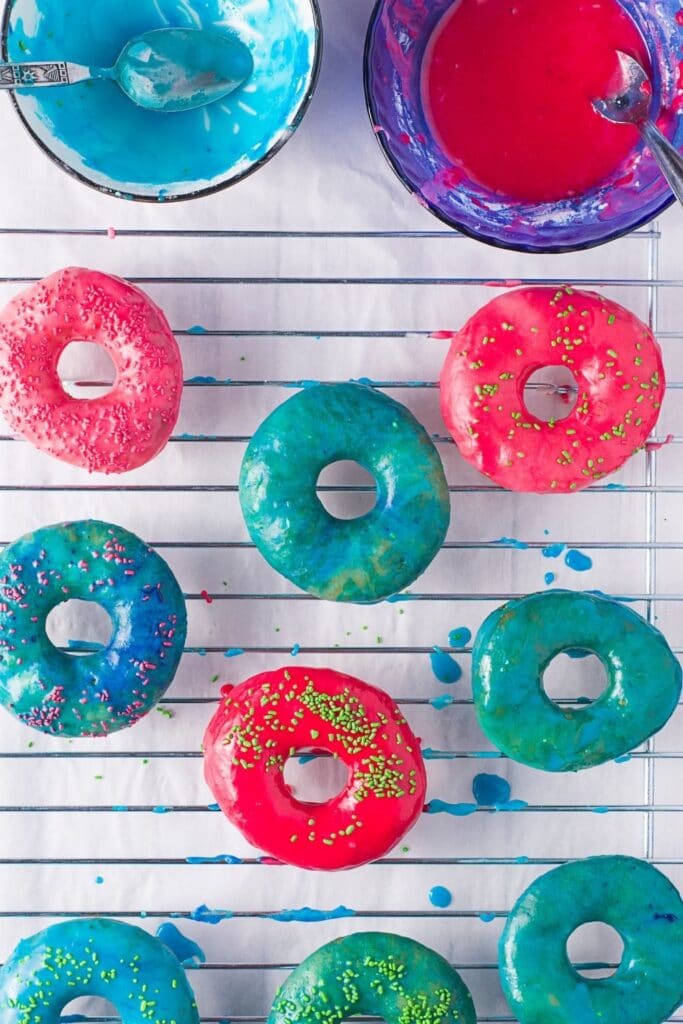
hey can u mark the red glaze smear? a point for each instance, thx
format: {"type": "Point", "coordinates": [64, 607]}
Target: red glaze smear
{"type": "Point", "coordinates": [273, 716]}
{"type": "Point", "coordinates": [508, 89]}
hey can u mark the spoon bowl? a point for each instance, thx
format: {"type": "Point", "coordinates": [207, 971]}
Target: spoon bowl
{"type": "Point", "coordinates": [179, 69]}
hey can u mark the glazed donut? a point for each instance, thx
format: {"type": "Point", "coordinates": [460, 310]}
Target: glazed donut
{"type": "Point", "coordinates": [618, 369]}
{"type": "Point", "coordinates": [516, 644]}
{"type": "Point", "coordinates": [126, 427]}
{"type": "Point", "coordinates": [374, 974]}
{"type": "Point", "coordinates": [95, 957]}
{"type": "Point", "coordinates": [270, 717]}
{"type": "Point", "coordinates": [638, 901]}
{"type": "Point", "coordinates": [362, 560]}
{"type": "Point", "coordinates": [49, 689]}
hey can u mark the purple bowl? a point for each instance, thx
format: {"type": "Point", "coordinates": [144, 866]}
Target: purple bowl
{"type": "Point", "coordinates": [397, 36]}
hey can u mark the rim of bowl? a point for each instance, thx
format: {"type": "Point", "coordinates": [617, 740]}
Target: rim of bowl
{"type": "Point", "coordinates": [119, 193]}
{"type": "Point", "coordinates": [469, 232]}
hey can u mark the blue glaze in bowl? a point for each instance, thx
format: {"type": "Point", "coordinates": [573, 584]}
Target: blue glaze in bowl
{"type": "Point", "coordinates": [93, 131]}
{"type": "Point", "coordinates": [397, 36]}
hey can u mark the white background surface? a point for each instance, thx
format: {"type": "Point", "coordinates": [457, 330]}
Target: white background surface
{"type": "Point", "coordinates": [331, 177]}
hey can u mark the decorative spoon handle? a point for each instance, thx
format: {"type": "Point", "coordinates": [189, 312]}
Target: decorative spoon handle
{"type": "Point", "coordinates": [31, 74]}
{"type": "Point", "coordinates": [669, 160]}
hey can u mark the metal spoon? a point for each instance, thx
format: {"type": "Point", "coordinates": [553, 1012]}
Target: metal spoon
{"type": "Point", "coordinates": [632, 105]}
{"type": "Point", "coordinates": [167, 69]}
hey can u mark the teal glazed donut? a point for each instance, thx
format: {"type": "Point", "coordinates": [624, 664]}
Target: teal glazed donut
{"type": "Point", "coordinates": [111, 689]}
{"type": "Point", "coordinates": [373, 973]}
{"type": "Point", "coordinates": [516, 644]}
{"type": "Point", "coordinates": [362, 560]}
{"type": "Point", "coordinates": [95, 957]}
{"type": "Point", "coordinates": [540, 982]}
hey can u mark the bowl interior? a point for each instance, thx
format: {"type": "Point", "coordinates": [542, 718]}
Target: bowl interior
{"type": "Point", "coordinates": [397, 37]}
{"type": "Point", "coordinates": [94, 131]}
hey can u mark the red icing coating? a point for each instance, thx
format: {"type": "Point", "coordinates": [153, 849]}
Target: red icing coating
{"type": "Point", "coordinates": [126, 427]}
{"type": "Point", "coordinates": [270, 717]}
{"type": "Point", "coordinates": [508, 88]}
{"type": "Point", "coordinates": [618, 369]}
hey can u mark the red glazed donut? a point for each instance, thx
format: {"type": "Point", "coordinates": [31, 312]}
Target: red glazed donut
{"type": "Point", "coordinates": [618, 369]}
{"type": "Point", "coordinates": [270, 717]}
{"type": "Point", "coordinates": [131, 423]}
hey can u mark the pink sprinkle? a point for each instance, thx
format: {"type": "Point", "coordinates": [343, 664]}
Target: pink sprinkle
{"type": "Point", "coordinates": [377, 128]}
{"type": "Point", "coordinates": [111, 233]}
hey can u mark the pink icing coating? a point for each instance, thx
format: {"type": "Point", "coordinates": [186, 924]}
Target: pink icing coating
{"type": "Point", "coordinates": [613, 356]}
{"type": "Point", "coordinates": [129, 425]}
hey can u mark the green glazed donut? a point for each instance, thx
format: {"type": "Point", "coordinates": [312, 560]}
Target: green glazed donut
{"type": "Point", "coordinates": [539, 981]}
{"type": "Point", "coordinates": [365, 559]}
{"type": "Point", "coordinates": [95, 957]}
{"type": "Point", "coordinates": [517, 643]}
{"type": "Point", "coordinates": [374, 974]}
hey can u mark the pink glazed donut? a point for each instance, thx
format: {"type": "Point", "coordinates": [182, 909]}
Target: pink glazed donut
{"type": "Point", "coordinates": [126, 427]}
{"type": "Point", "coordinates": [617, 366]}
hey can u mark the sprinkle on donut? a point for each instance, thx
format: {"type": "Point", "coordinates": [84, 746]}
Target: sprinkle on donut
{"type": "Point", "coordinates": [266, 720]}
{"type": "Point", "coordinates": [618, 369]}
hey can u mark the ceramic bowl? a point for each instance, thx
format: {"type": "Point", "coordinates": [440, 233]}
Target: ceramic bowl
{"type": "Point", "coordinates": [397, 37]}
{"type": "Point", "coordinates": [93, 131]}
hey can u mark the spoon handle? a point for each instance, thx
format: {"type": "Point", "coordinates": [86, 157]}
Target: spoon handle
{"type": "Point", "coordinates": [668, 158]}
{"type": "Point", "coordinates": [31, 74]}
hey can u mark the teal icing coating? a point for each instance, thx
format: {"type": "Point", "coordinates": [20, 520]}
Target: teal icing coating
{"type": "Point", "coordinates": [98, 957]}
{"type": "Point", "coordinates": [516, 644]}
{"type": "Point", "coordinates": [638, 901]}
{"type": "Point", "coordinates": [377, 974]}
{"type": "Point", "coordinates": [96, 132]}
{"type": "Point", "coordinates": [114, 687]}
{"type": "Point", "coordinates": [177, 69]}
{"type": "Point", "coordinates": [363, 560]}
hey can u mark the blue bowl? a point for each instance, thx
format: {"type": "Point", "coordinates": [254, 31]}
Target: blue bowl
{"type": "Point", "coordinates": [93, 131]}
{"type": "Point", "coordinates": [397, 37]}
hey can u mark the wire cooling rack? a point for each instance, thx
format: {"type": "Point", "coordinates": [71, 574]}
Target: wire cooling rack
{"type": "Point", "coordinates": [329, 272]}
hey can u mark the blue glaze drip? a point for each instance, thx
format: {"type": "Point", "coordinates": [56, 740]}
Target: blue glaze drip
{"type": "Point", "coordinates": [459, 637]}
{"type": "Point", "coordinates": [615, 487]}
{"type": "Point", "coordinates": [445, 667]}
{"type": "Point", "coordinates": [307, 758]}
{"type": "Point", "coordinates": [487, 917]}
{"type": "Point", "coordinates": [119, 807]}
{"type": "Point", "coordinates": [233, 652]}
{"type": "Point", "coordinates": [442, 702]}
{"type": "Point", "coordinates": [308, 914]}
{"type": "Point", "coordinates": [623, 759]}
{"type": "Point", "coordinates": [202, 380]}
{"type": "Point", "coordinates": [212, 807]}
{"type": "Point", "coordinates": [97, 130]}
{"type": "Point", "coordinates": [549, 578]}
{"type": "Point", "coordinates": [197, 329]}
{"type": "Point", "coordinates": [206, 916]}
{"type": "Point", "coordinates": [295, 650]}
{"type": "Point", "coordinates": [429, 754]}
{"type": "Point", "coordinates": [577, 653]}
{"type": "Point", "coordinates": [440, 896]}
{"type": "Point", "coordinates": [490, 790]}
{"type": "Point", "coordinates": [99, 880]}
{"type": "Point", "coordinates": [221, 858]}
{"type": "Point", "coordinates": [553, 550]}
{"type": "Point", "coordinates": [461, 810]}
{"type": "Point", "coordinates": [395, 598]}
{"type": "Point", "coordinates": [577, 561]}
{"type": "Point", "coordinates": [161, 809]}
{"type": "Point", "coordinates": [512, 542]}
{"type": "Point", "coordinates": [187, 951]}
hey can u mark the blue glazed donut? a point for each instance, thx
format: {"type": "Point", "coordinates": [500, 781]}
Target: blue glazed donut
{"type": "Point", "coordinates": [95, 957]}
{"type": "Point", "coordinates": [639, 902]}
{"type": "Point", "coordinates": [362, 560]}
{"type": "Point", "coordinates": [516, 644]}
{"type": "Point", "coordinates": [55, 692]}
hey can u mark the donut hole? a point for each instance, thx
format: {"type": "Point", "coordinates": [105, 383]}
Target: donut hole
{"type": "Point", "coordinates": [550, 393]}
{"type": "Point", "coordinates": [315, 778]}
{"type": "Point", "coordinates": [86, 370]}
{"type": "Point", "coordinates": [347, 490]}
{"type": "Point", "coordinates": [595, 950]}
{"type": "Point", "coordinates": [86, 1007]}
{"type": "Point", "coordinates": [575, 678]}
{"type": "Point", "coordinates": [79, 627]}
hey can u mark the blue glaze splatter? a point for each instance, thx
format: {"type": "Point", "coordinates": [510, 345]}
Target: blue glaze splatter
{"type": "Point", "coordinates": [187, 952]}
{"type": "Point", "coordinates": [97, 130]}
{"type": "Point", "coordinates": [459, 637]}
{"type": "Point", "coordinates": [442, 702]}
{"type": "Point", "coordinates": [553, 550]}
{"type": "Point", "coordinates": [295, 650]}
{"type": "Point", "coordinates": [445, 667]}
{"type": "Point", "coordinates": [490, 790]}
{"type": "Point", "coordinates": [577, 561]}
{"type": "Point", "coordinates": [206, 916]}
{"type": "Point", "coordinates": [440, 896]}
{"type": "Point", "coordinates": [549, 578]}
{"type": "Point", "coordinates": [221, 858]}
{"type": "Point", "coordinates": [99, 880]}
